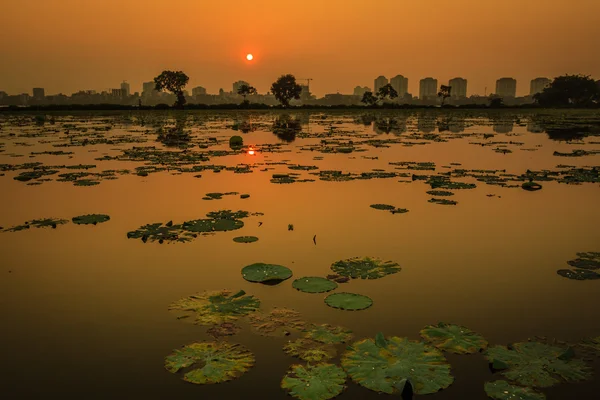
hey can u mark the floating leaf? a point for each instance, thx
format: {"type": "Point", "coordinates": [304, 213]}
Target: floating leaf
{"type": "Point", "coordinates": [245, 239]}
{"type": "Point", "coordinates": [453, 338]}
{"type": "Point", "coordinates": [314, 382]}
{"type": "Point", "coordinates": [265, 273]}
{"type": "Point", "coordinates": [531, 186]}
{"type": "Point", "coordinates": [310, 350]}
{"type": "Point", "coordinates": [348, 301]}
{"type": "Point", "coordinates": [537, 364]}
{"type": "Point", "coordinates": [90, 219]}
{"type": "Point", "coordinates": [216, 307]}
{"type": "Point", "coordinates": [584, 267]}
{"type": "Point", "coordinates": [365, 267]}
{"type": "Point", "coordinates": [314, 284]}
{"type": "Point", "coordinates": [441, 193]}
{"type": "Point", "coordinates": [278, 322]}
{"type": "Point", "coordinates": [326, 333]}
{"type": "Point", "coordinates": [444, 202]}
{"type": "Point", "coordinates": [502, 390]}
{"type": "Point", "coordinates": [383, 207]}
{"type": "Point", "coordinates": [210, 362]}
{"type": "Point", "coordinates": [383, 368]}
{"type": "Point", "coordinates": [38, 223]}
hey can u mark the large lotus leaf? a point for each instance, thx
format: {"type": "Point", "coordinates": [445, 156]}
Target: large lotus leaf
{"type": "Point", "coordinates": [502, 390]}
{"type": "Point", "coordinates": [589, 261]}
{"type": "Point", "coordinates": [537, 364]}
{"type": "Point", "coordinates": [199, 225]}
{"type": "Point", "coordinates": [159, 232]}
{"type": "Point", "coordinates": [453, 338]}
{"type": "Point", "coordinates": [210, 362]}
{"type": "Point", "coordinates": [278, 322]}
{"type": "Point", "coordinates": [310, 350]}
{"type": "Point", "coordinates": [348, 301]}
{"type": "Point", "coordinates": [384, 365]}
{"type": "Point", "coordinates": [245, 239]}
{"type": "Point", "coordinates": [386, 207]}
{"type": "Point", "coordinates": [216, 307]}
{"type": "Point", "coordinates": [261, 272]}
{"type": "Point", "coordinates": [314, 382]}
{"type": "Point", "coordinates": [314, 284]}
{"type": "Point", "coordinates": [227, 214]}
{"type": "Point", "coordinates": [91, 219]}
{"type": "Point", "coordinates": [326, 333]}
{"type": "Point", "coordinates": [365, 267]}
{"type": "Point", "coordinates": [223, 225]}
{"type": "Point", "coordinates": [578, 274]}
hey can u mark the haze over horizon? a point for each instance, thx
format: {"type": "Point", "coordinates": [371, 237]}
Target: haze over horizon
{"type": "Point", "coordinates": [69, 45]}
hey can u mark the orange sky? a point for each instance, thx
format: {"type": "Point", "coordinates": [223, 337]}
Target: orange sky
{"type": "Point", "coordinates": [68, 45]}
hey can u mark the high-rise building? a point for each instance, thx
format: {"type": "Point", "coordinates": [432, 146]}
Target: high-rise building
{"type": "Point", "coordinates": [148, 88]}
{"type": "Point", "coordinates": [538, 84]}
{"type": "Point", "coordinates": [428, 88]}
{"type": "Point", "coordinates": [400, 84]}
{"type": "Point", "coordinates": [118, 92]}
{"type": "Point", "coordinates": [198, 90]}
{"type": "Point", "coordinates": [459, 88]}
{"type": "Point", "coordinates": [126, 89]}
{"type": "Point", "coordinates": [360, 91]}
{"type": "Point", "coordinates": [380, 82]}
{"type": "Point", "coordinates": [506, 87]}
{"type": "Point", "coordinates": [237, 85]}
{"type": "Point", "coordinates": [39, 93]}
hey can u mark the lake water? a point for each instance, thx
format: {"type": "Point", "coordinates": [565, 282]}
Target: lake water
{"type": "Point", "coordinates": [85, 308]}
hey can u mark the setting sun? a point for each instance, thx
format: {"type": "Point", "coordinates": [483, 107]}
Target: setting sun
{"type": "Point", "coordinates": [249, 57]}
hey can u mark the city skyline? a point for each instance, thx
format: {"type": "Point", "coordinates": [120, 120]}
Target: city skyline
{"type": "Point", "coordinates": [65, 47]}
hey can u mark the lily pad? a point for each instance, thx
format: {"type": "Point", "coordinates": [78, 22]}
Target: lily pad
{"type": "Point", "coordinates": [444, 202]}
{"type": "Point", "coordinates": [330, 334]}
{"type": "Point", "coordinates": [383, 207]}
{"type": "Point", "coordinates": [210, 362]}
{"type": "Point", "coordinates": [584, 267]}
{"type": "Point", "coordinates": [365, 267]}
{"type": "Point", "coordinates": [38, 223]}
{"type": "Point", "coordinates": [440, 193]}
{"type": "Point", "coordinates": [531, 186]}
{"type": "Point", "coordinates": [502, 390]}
{"type": "Point", "coordinates": [279, 322]}
{"type": "Point", "coordinates": [454, 338]}
{"type": "Point", "coordinates": [386, 365]}
{"type": "Point", "coordinates": [310, 350]}
{"type": "Point", "coordinates": [266, 273]}
{"type": "Point", "coordinates": [216, 307]}
{"type": "Point", "coordinates": [245, 239]}
{"type": "Point", "coordinates": [537, 364]}
{"type": "Point", "coordinates": [348, 301]}
{"type": "Point", "coordinates": [90, 219]}
{"type": "Point", "coordinates": [314, 284]}
{"type": "Point", "coordinates": [314, 382]}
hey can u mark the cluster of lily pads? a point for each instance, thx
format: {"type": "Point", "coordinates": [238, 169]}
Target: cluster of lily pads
{"type": "Point", "coordinates": [88, 219]}
{"type": "Point", "coordinates": [584, 267]}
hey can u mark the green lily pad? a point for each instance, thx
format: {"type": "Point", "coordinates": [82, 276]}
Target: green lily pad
{"type": "Point", "coordinates": [326, 333]}
{"type": "Point", "coordinates": [314, 284]}
{"type": "Point", "coordinates": [310, 350]}
{"type": "Point", "coordinates": [261, 272]}
{"type": "Point", "coordinates": [279, 322]}
{"type": "Point", "coordinates": [453, 338]}
{"type": "Point", "coordinates": [386, 365]}
{"type": "Point", "coordinates": [440, 193]}
{"type": "Point", "coordinates": [365, 268]}
{"type": "Point", "coordinates": [314, 382]}
{"type": "Point", "coordinates": [210, 362]}
{"type": "Point", "coordinates": [386, 207]}
{"type": "Point", "coordinates": [90, 219]}
{"type": "Point", "coordinates": [245, 239]}
{"type": "Point", "coordinates": [502, 390]}
{"type": "Point", "coordinates": [444, 202]}
{"type": "Point", "coordinates": [348, 301]}
{"type": "Point", "coordinates": [537, 364]}
{"type": "Point", "coordinates": [216, 307]}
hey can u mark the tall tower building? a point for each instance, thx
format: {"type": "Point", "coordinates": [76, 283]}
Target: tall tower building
{"type": "Point", "coordinates": [39, 93]}
{"type": "Point", "coordinates": [459, 88]}
{"type": "Point", "coordinates": [198, 90]}
{"type": "Point", "coordinates": [538, 85]}
{"type": "Point", "coordinates": [506, 87]}
{"type": "Point", "coordinates": [428, 88]}
{"type": "Point", "coordinates": [126, 89]}
{"type": "Point", "coordinates": [360, 91]}
{"type": "Point", "coordinates": [380, 82]}
{"type": "Point", "coordinates": [400, 84]}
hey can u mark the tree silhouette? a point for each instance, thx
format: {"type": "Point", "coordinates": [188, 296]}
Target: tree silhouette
{"type": "Point", "coordinates": [174, 82]}
{"type": "Point", "coordinates": [246, 90]}
{"type": "Point", "coordinates": [387, 91]}
{"type": "Point", "coordinates": [496, 102]}
{"type": "Point", "coordinates": [285, 89]}
{"type": "Point", "coordinates": [569, 90]}
{"type": "Point", "coordinates": [286, 127]}
{"type": "Point", "coordinates": [444, 92]}
{"type": "Point", "coordinates": [369, 99]}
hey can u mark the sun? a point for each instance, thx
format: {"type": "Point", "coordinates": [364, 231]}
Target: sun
{"type": "Point", "coordinates": [249, 57]}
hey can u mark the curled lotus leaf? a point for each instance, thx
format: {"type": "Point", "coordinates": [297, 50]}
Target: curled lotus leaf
{"type": "Point", "coordinates": [270, 273]}
{"type": "Point", "coordinates": [245, 239]}
{"type": "Point", "coordinates": [365, 267]}
{"type": "Point", "coordinates": [453, 338]}
{"type": "Point", "coordinates": [326, 333]}
{"type": "Point", "coordinates": [314, 382]}
{"type": "Point", "coordinates": [310, 350]}
{"type": "Point", "coordinates": [223, 329]}
{"type": "Point", "coordinates": [536, 364]}
{"type": "Point", "coordinates": [348, 301]}
{"type": "Point", "coordinates": [279, 322]}
{"type": "Point", "coordinates": [210, 362]}
{"type": "Point", "coordinates": [90, 219]}
{"type": "Point", "coordinates": [502, 390]}
{"type": "Point", "coordinates": [314, 284]}
{"type": "Point", "coordinates": [216, 307]}
{"type": "Point", "coordinates": [385, 365]}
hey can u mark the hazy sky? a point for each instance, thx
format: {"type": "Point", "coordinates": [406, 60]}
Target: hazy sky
{"type": "Point", "coordinates": [69, 45]}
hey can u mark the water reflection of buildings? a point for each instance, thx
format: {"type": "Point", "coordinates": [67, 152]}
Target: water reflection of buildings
{"type": "Point", "coordinates": [390, 125]}
{"type": "Point", "coordinates": [457, 125]}
{"type": "Point", "coordinates": [503, 126]}
{"type": "Point", "coordinates": [534, 127]}
{"type": "Point", "coordinates": [426, 123]}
